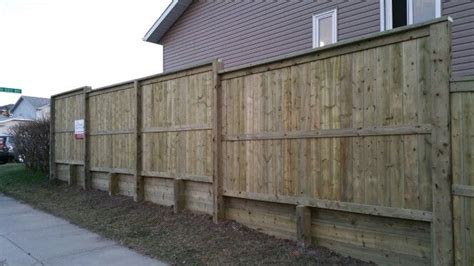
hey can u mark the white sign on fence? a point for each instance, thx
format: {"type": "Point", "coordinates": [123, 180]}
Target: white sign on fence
{"type": "Point", "coordinates": [79, 132]}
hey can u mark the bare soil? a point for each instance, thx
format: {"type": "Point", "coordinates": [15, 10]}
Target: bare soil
{"type": "Point", "coordinates": [153, 230]}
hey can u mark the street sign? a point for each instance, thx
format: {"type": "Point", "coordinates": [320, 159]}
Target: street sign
{"type": "Point", "coordinates": [3, 89]}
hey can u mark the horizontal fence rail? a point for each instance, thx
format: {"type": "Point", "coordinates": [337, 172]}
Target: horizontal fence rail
{"type": "Point", "coordinates": [346, 146]}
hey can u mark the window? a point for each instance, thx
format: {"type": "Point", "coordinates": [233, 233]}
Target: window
{"type": "Point", "coordinates": [398, 13]}
{"type": "Point", "coordinates": [324, 28]}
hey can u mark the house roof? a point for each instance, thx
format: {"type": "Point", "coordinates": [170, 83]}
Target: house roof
{"type": "Point", "coordinates": [36, 102]}
{"type": "Point", "coordinates": [4, 119]}
{"type": "Point", "coordinates": [174, 10]}
{"type": "Point", "coordinates": [6, 107]}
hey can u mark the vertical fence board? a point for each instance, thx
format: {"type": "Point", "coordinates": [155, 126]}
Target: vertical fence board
{"type": "Point", "coordinates": [462, 137]}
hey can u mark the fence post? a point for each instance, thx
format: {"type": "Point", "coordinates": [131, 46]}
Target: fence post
{"type": "Point", "coordinates": [113, 183]}
{"type": "Point", "coordinates": [139, 186]}
{"type": "Point", "coordinates": [72, 175]}
{"type": "Point", "coordinates": [303, 225]}
{"type": "Point", "coordinates": [52, 139]}
{"type": "Point", "coordinates": [442, 226]}
{"type": "Point", "coordinates": [218, 199]}
{"type": "Point", "coordinates": [87, 173]}
{"type": "Point", "coordinates": [179, 196]}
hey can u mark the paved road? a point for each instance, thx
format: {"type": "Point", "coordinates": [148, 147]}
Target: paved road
{"type": "Point", "coordinates": [32, 237]}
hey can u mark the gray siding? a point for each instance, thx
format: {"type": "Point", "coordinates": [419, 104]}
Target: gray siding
{"type": "Point", "coordinates": [242, 32]}
{"type": "Point", "coordinates": [462, 11]}
{"type": "Point", "coordinates": [25, 110]}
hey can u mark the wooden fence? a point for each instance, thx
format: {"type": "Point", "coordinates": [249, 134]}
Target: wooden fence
{"type": "Point", "coordinates": [462, 135]}
{"type": "Point", "coordinates": [347, 146]}
{"type": "Point", "coordinates": [146, 138]}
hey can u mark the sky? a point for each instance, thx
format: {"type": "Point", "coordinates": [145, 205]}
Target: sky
{"type": "Point", "coordinates": [51, 46]}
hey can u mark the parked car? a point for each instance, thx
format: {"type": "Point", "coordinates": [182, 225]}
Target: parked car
{"type": "Point", "coordinates": [6, 150]}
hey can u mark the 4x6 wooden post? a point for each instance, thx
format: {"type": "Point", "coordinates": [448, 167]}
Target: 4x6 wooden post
{"type": "Point", "coordinates": [217, 143]}
{"type": "Point", "coordinates": [303, 225]}
{"type": "Point", "coordinates": [52, 140]}
{"type": "Point", "coordinates": [179, 196]}
{"type": "Point", "coordinates": [139, 186]}
{"type": "Point", "coordinates": [87, 173]}
{"type": "Point", "coordinates": [442, 226]}
{"type": "Point", "coordinates": [72, 175]}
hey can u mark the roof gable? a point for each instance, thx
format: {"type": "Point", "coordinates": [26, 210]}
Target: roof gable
{"type": "Point", "coordinates": [174, 10]}
{"type": "Point", "coordinates": [36, 102]}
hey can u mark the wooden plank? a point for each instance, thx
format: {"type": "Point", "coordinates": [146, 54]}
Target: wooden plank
{"type": "Point", "coordinates": [69, 93]}
{"type": "Point", "coordinates": [335, 132]}
{"type": "Point", "coordinates": [178, 195]}
{"type": "Point", "coordinates": [113, 183]}
{"type": "Point", "coordinates": [139, 183]}
{"type": "Point", "coordinates": [72, 180]}
{"type": "Point", "coordinates": [337, 205]}
{"type": "Point", "coordinates": [52, 139]}
{"type": "Point", "coordinates": [370, 157]}
{"type": "Point", "coordinates": [424, 116]}
{"type": "Point", "coordinates": [463, 190]}
{"type": "Point", "coordinates": [382, 102]}
{"type": "Point", "coordinates": [357, 158]}
{"type": "Point", "coordinates": [410, 115]}
{"type": "Point", "coordinates": [87, 141]}
{"type": "Point", "coordinates": [113, 132]}
{"type": "Point", "coordinates": [178, 128]}
{"type": "Point", "coordinates": [112, 169]}
{"type": "Point", "coordinates": [186, 177]}
{"type": "Point", "coordinates": [196, 70]}
{"type": "Point", "coordinates": [69, 162]}
{"type": "Point", "coordinates": [458, 149]}
{"type": "Point", "coordinates": [217, 152]}
{"type": "Point", "coordinates": [111, 89]}
{"type": "Point", "coordinates": [458, 86]}
{"type": "Point", "coordinates": [303, 226]}
{"type": "Point", "coordinates": [64, 131]}
{"type": "Point", "coordinates": [442, 233]}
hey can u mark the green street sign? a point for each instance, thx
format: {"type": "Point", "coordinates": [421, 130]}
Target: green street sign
{"type": "Point", "coordinates": [3, 89]}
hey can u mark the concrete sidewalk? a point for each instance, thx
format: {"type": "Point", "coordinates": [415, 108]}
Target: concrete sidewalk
{"type": "Point", "coordinates": [32, 237]}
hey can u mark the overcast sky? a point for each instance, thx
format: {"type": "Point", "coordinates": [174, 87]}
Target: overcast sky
{"type": "Point", "coordinates": [50, 46]}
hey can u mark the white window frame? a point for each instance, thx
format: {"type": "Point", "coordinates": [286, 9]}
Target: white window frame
{"type": "Point", "coordinates": [319, 16]}
{"type": "Point", "coordinates": [386, 20]}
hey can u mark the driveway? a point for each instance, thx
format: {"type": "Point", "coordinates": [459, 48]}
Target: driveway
{"type": "Point", "coordinates": [32, 237]}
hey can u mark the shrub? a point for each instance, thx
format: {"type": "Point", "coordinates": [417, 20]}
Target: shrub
{"type": "Point", "coordinates": [31, 141]}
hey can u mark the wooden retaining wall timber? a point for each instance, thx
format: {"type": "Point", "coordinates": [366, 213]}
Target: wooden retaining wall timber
{"type": "Point", "coordinates": [346, 146]}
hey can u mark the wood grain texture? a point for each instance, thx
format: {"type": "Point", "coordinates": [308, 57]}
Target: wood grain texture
{"type": "Point", "coordinates": [462, 138]}
{"type": "Point", "coordinates": [441, 232]}
{"type": "Point", "coordinates": [349, 127]}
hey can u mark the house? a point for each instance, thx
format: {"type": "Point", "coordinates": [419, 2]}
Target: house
{"type": "Point", "coordinates": [6, 123]}
{"type": "Point", "coordinates": [43, 112]}
{"type": "Point", "coordinates": [28, 107]}
{"type": "Point", "coordinates": [5, 110]}
{"type": "Point", "coordinates": [244, 32]}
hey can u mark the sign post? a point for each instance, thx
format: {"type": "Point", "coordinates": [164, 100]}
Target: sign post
{"type": "Point", "coordinates": [11, 90]}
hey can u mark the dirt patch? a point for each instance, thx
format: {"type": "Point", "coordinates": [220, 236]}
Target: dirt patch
{"type": "Point", "coordinates": [185, 238]}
